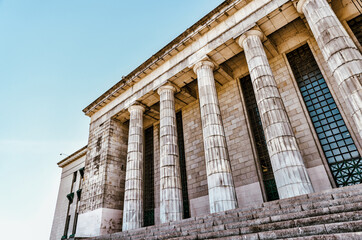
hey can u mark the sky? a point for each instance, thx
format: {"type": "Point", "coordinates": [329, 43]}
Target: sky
{"type": "Point", "coordinates": [56, 57]}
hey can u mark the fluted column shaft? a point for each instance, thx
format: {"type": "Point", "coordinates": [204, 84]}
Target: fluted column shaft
{"type": "Point", "coordinates": [290, 174]}
{"type": "Point", "coordinates": [339, 51]}
{"type": "Point", "coordinates": [171, 208]}
{"type": "Point", "coordinates": [133, 195]}
{"type": "Point", "coordinates": [221, 188]}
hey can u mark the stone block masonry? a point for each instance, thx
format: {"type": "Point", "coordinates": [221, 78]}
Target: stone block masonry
{"type": "Point", "coordinates": [104, 179]}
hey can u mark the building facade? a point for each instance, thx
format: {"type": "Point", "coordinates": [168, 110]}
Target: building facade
{"type": "Point", "coordinates": [70, 190]}
{"type": "Point", "coordinates": [259, 100]}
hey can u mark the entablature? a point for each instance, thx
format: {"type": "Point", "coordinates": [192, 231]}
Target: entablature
{"type": "Point", "coordinates": [218, 44]}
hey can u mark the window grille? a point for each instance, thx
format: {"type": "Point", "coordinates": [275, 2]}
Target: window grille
{"type": "Point", "coordinates": [356, 26]}
{"type": "Point", "coordinates": [338, 146]}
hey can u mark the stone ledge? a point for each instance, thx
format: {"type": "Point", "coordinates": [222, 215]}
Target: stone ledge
{"type": "Point", "coordinates": [335, 211]}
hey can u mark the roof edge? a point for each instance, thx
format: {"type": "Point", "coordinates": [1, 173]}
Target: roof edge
{"type": "Point", "coordinates": [74, 156]}
{"type": "Point", "coordinates": [158, 54]}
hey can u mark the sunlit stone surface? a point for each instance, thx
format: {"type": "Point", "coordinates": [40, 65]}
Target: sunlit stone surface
{"type": "Point", "coordinates": [133, 195]}
{"type": "Point", "coordinates": [290, 173]}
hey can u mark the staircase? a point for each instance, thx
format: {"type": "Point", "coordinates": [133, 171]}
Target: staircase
{"type": "Point", "coordinates": [332, 214]}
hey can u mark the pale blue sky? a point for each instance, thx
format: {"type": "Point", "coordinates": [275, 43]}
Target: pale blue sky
{"type": "Point", "coordinates": [56, 57]}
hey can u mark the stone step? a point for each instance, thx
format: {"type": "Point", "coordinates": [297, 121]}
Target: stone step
{"type": "Point", "coordinates": [275, 216]}
{"type": "Point", "coordinates": [337, 193]}
{"type": "Point", "coordinates": [312, 232]}
{"type": "Point", "coordinates": [251, 231]}
{"type": "Point", "coordinates": [302, 212]}
{"type": "Point", "coordinates": [330, 228]}
{"type": "Point", "coordinates": [307, 201]}
{"type": "Point", "coordinates": [283, 216]}
{"type": "Point", "coordinates": [283, 226]}
{"type": "Point", "coordinates": [299, 222]}
{"type": "Point", "coordinates": [335, 236]}
{"type": "Point", "coordinates": [290, 205]}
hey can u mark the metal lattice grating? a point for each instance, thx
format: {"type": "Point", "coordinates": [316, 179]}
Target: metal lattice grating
{"type": "Point", "coordinates": [337, 143]}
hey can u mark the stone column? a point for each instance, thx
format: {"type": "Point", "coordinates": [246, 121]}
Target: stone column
{"type": "Point", "coordinates": [171, 208]}
{"type": "Point", "coordinates": [340, 53]}
{"type": "Point", "coordinates": [133, 194]}
{"type": "Point", "coordinates": [290, 174]}
{"type": "Point", "coordinates": [221, 188]}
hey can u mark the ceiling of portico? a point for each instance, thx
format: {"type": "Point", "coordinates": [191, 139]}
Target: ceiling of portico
{"type": "Point", "coordinates": [186, 94]}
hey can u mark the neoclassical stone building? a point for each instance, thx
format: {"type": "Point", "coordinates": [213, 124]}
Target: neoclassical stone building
{"type": "Point", "coordinates": [260, 100]}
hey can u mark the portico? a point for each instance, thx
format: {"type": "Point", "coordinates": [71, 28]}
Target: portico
{"type": "Point", "coordinates": [198, 77]}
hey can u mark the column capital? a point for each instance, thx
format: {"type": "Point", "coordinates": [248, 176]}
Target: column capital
{"type": "Point", "coordinates": [300, 5]}
{"type": "Point", "coordinates": [202, 63]}
{"type": "Point", "coordinates": [136, 107]}
{"type": "Point", "coordinates": [166, 87]}
{"type": "Point", "coordinates": [250, 33]}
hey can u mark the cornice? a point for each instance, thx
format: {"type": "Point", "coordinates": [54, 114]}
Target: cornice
{"type": "Point", "coordinates": [71, 158]}
{"type": "Point", "coordinates": [189, 36]}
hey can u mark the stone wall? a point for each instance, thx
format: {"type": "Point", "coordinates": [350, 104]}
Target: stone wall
{"type": "Point", "coordinates": [104, 178]}
{"type": "Point", "coordinates": [60, 214]}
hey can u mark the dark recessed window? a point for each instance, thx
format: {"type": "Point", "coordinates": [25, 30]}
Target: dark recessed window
{"type": "Point", "coordinates": [182, 158]}
{"type": "Point", "coordinates": [74, 177]}
{"type": "Point", "coordinates": [259, 139]}
{"type": "Point", "coordinates": [75, 225]}
{"type": "Point", "coordinates": [149, 202]}
{"type": "Point", "coordinates": [356, 26]}
{"type": "Point", "coordinates": [343, 158]}
{"type": "Point", "coordinates": [67, 221]}
{"type": "Point", "coordinates": [81, 172]}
